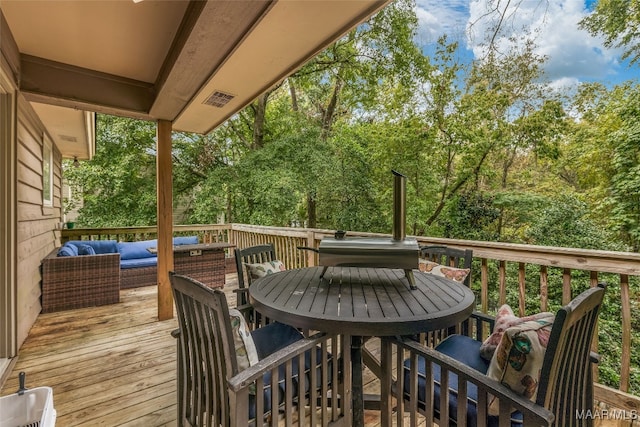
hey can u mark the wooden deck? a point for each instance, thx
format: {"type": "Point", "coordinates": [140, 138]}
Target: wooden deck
{"type": "Point", "coordinates": [112, 365]}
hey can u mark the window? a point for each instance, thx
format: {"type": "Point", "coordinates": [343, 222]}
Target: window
{"type": "Point", "coordinates": [47, 174]}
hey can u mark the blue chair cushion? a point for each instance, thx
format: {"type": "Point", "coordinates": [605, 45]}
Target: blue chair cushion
{"type": "Point", "coordinates": [185, 240]}
{"type": "Point", "coordinates": [99, 246]}
{"type": "Point", "coordinates": [271, 338]}
{"type": "Point", "coordinates": [86, 250]}
{"type": "Point", "coordinates": [138, 262]}
{"type": "Point", "coordinates": [136, 250]}
{"type": "Point", "coordinates": [274, 336]}
{"type": "Point", "coordinates": [68, 249]}
{"type": "Point", "coordinates": [465, 350]}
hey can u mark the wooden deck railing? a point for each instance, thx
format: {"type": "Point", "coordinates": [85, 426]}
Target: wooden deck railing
{"type": "Point", "coordinates": [525, 276]}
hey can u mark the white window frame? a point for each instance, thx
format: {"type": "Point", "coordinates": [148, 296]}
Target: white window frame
{"type": "Point", "coordinates": [47, 172]}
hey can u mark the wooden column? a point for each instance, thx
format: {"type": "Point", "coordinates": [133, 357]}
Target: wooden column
{"type": "Point", "coordinates": [165, 219]}
{"type": "Point", "coordinates": [8, 227]}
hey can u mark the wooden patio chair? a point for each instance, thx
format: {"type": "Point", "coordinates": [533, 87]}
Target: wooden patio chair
{"type": "Point", "coordinates": [565, 386]}
{"type": "Point", "coordinates": [214, 390]}
{"type": "Point", "coordinates": [250, 255]}
{"type": "Point", "coordinates": [449, 257]}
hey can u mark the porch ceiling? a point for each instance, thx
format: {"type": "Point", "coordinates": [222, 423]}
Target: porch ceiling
{"type": "Point", "coordinates": [159, 59]}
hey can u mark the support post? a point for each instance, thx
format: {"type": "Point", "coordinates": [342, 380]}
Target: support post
{"type": "Point", "coordinates": [165, 218]}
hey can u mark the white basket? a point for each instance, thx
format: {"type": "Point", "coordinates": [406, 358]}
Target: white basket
{"type": "Point", "coordinates": [34, 408]}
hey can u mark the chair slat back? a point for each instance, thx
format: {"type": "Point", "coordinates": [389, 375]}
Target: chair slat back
{"type": "Point", "coordinates": [206, 355]}
{"type": "Point", "coordinates": [251, 255]}
{"type": "Point", "coordinates": [452, 257]}
{"type": "Point", "coordinates": [566, 380]}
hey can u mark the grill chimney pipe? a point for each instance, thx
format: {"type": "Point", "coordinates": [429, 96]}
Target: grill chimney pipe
{"type": "Point", "coordinates": [399, 206]}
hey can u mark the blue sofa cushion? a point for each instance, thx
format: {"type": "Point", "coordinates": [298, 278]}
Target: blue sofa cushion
{"type": "Point", "coordinates": [136, 250]}
{"type": "Point", "coordinates": [68, 250]}
{"type": "Point", "coordinates": [185, 240]}
{"type": "Point", "coordinates": [99, 246]}
{"type": "Point", "coordinates": [138, 262]}
{"type": "Point", "coordinates": [86, 250]}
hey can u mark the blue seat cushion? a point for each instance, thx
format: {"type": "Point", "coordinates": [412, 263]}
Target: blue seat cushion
{"type": "Point", "coordinates": [138, 262]}
{"type": "Point", "coordinates": [185, 240]}
{"type": "Point", "coordinates": [99, 246]}
{"type": "Point", "coordinates": [271, 338]}
{"type": "Point", "coordinates": [465, 350]}
{"type": "Point", "coordinates": [274, 336]}
{"type": "Point", "coordinates": [135, 250]}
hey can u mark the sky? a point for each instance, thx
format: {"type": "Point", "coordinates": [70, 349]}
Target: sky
{"type": "Point", "coordinates": [573, 54]}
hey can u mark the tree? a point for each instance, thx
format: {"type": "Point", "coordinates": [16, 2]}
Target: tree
{"type": "Point", "coordinates": [602, 157]}
{"type": "Point", "coordinates": [619, 22]}
{"type": "Point", "coordinates": [118, 184]}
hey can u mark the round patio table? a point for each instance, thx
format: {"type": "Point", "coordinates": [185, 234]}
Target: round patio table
{"type": "Point", "coordinates": [361, 302]}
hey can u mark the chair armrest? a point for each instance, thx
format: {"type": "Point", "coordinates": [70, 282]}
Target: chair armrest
{"type": "Point", "coordinates": [175, 333]}
{"type": "Point", "coordinates": [594, 357]}
{"type": "Point", "coordinates": [534, 414]}
{"type": "Point", "coordinates": [245, 378]}
{"type": "Point", "coordinates": [241, 290]}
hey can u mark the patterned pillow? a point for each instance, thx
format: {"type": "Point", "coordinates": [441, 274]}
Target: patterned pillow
{"type": "Point", "coordinates": [262, 269]}
{"type": "Point", "coordinates": [452, 273]}
{"type": "Point", "coordinates": [518, 359]}
{"type": "Point", "coordinates": [504, 320]}
{"type": "Point", "coordinates": [246, 353]}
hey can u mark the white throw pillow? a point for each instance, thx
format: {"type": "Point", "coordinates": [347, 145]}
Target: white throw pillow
{"type": "Point", "coordinates": [246, 352]}
{"type": "Point", "coordinates": [259, 270]}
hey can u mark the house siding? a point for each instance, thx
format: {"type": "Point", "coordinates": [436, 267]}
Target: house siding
{"type": "Point", "coordinates": [37, 233]}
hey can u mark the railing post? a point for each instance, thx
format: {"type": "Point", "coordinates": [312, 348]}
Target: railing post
{"type": "Point", "coordinates": [484, 281]}
{"type": "Point", "coordinates": [544, 292]}
{"type": "Point", "coordinates": [522, 279]}
{"type": "Point", "coordinates": [311, 256]}
{"type": "Point", "coordinates": [625, 368]}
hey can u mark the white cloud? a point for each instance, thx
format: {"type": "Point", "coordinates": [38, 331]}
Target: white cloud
{"type": "Point", "coordinates": [571, 53]}
{"type": "Point", "coordinates": [436, 18]}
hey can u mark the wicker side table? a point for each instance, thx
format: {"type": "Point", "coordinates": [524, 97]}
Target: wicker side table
{"type": "Point", "coordinates": [203, 262]}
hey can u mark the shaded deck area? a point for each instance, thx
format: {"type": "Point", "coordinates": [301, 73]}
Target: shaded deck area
{"type": "Point", "coordinates": [113, 365]}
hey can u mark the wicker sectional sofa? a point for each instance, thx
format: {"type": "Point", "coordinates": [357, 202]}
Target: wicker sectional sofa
{"type": "Point", "coordinates": [85, 273]}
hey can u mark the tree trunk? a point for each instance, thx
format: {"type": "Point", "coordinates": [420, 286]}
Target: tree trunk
{"type": "Point", "coordinates": [311, 211]}
{"type": "Point", "coordinates": [294, 97]}
{"type": "Point", "coordinates": [259, 107]}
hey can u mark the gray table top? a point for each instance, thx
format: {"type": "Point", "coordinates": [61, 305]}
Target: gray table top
{"type": "Point", "coordinates": [361, 301]}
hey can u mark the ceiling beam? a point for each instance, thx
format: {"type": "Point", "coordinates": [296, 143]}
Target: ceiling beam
{"type": "Point", "coordinates": [215, 27]}
{"type": "Point", "coordinates": [69, 86]}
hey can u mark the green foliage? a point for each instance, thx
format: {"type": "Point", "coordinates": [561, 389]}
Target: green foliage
{"type": "Point", "coordinates": [471, 216]}
{"type": "Point", "coordinates": [619, 22]}
{"type": "Point", "coordinates": [564, 221]}
{"type": "Point", "coordinates": [118, 184]}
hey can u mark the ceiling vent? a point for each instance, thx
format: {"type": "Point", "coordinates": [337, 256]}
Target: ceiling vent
{"type": "Point", "coordinates": [219, 99]}
{"type": "Point", "coordinates": [68, 138]}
